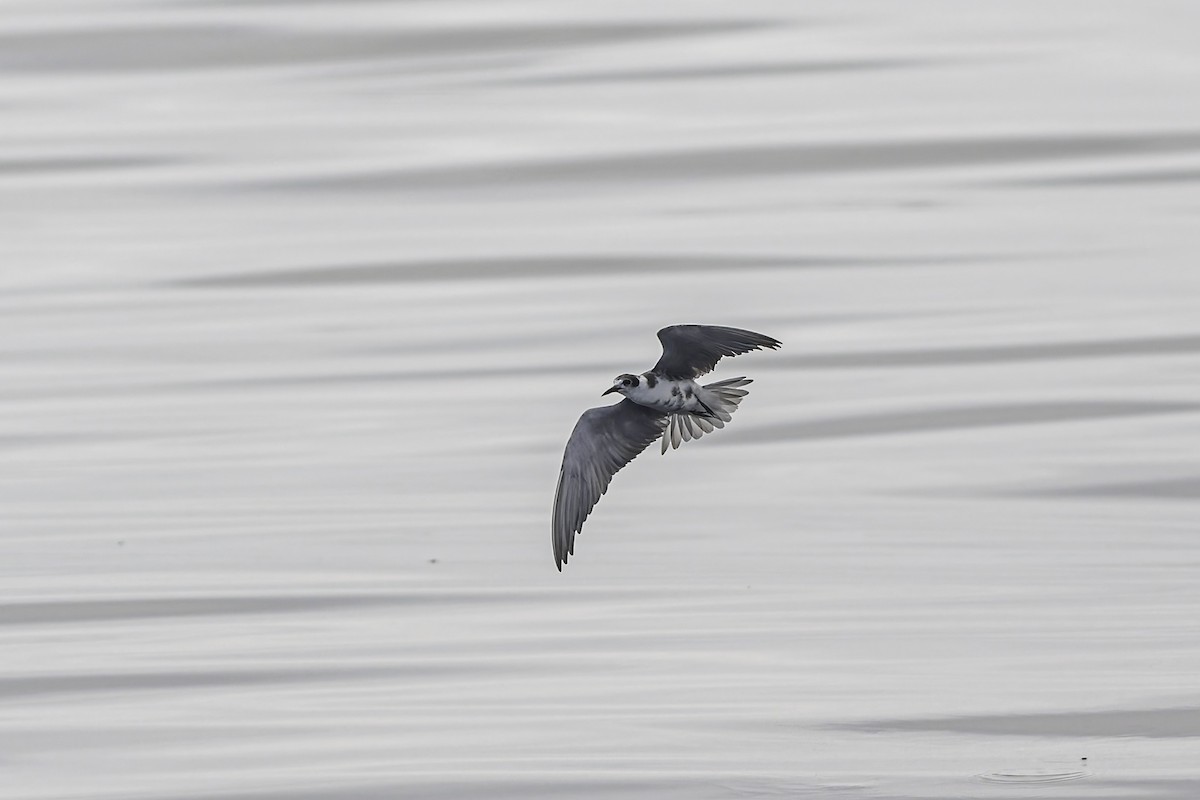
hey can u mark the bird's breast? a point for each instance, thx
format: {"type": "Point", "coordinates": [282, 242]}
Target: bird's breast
{"type": "Point", "coordinates": [664, 394]}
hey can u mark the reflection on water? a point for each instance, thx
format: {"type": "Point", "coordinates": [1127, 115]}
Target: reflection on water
{"type": "Point", "coordinates": [301, 300]}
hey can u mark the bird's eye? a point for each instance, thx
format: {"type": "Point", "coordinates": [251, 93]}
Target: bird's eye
{"type": "Point", "coordinates": [627, 382]}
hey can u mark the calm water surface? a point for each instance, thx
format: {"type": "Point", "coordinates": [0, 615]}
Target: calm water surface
{"type": "Point", "coordinates": [299, 301]}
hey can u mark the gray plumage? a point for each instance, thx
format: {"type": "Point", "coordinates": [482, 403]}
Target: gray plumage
{"type": "Point", "coordinates": [607, 438]}
{"type": "Point", "coordinates": [604, 440]}
{"type": "Point", "coordinates": [690, 351]}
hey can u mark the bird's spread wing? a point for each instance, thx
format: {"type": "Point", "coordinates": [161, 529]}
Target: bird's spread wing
{"type": "Point", "coordinates": [690, 351]}
{"type": "Point", "coordinates": [604, 440]}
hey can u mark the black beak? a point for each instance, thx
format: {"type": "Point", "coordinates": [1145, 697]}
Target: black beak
{"type": "Point", "coordinates": [609, 390]}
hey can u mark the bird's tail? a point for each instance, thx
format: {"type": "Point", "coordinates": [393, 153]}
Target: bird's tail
{"type": "Point", "coordinates": [721, 398]}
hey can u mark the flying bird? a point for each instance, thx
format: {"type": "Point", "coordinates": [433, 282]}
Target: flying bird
{"type": "Point", "coordinates": [665, 402]}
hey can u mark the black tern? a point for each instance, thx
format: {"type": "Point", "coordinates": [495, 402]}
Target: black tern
{"type": "Point", "coordinates": [664, 402]}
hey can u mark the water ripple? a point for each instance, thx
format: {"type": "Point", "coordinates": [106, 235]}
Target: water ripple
{"type": "Point", "coordinates": [1159, 723]}
{"type": "Point", "coordinates": [730, 71]}
{"type": "Point", "coordinates": [71, 611]}
{"type": "Point", "coordinates": [204, 47]}
{"type": "Point", "coordinates": [749, 161]}
{"type": "Point", "coordinates": [578, 265]}
{"type": "Point", "coordinates": [1187, 344]}
{"type": "Point", "coordinates": [949, 418]}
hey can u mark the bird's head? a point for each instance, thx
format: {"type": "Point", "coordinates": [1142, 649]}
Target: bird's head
{"type": "Point", "coordinates": [622, 384]}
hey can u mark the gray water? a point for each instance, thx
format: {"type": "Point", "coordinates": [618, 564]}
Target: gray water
{"type": "Point", "coordinates": [299, 301]}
